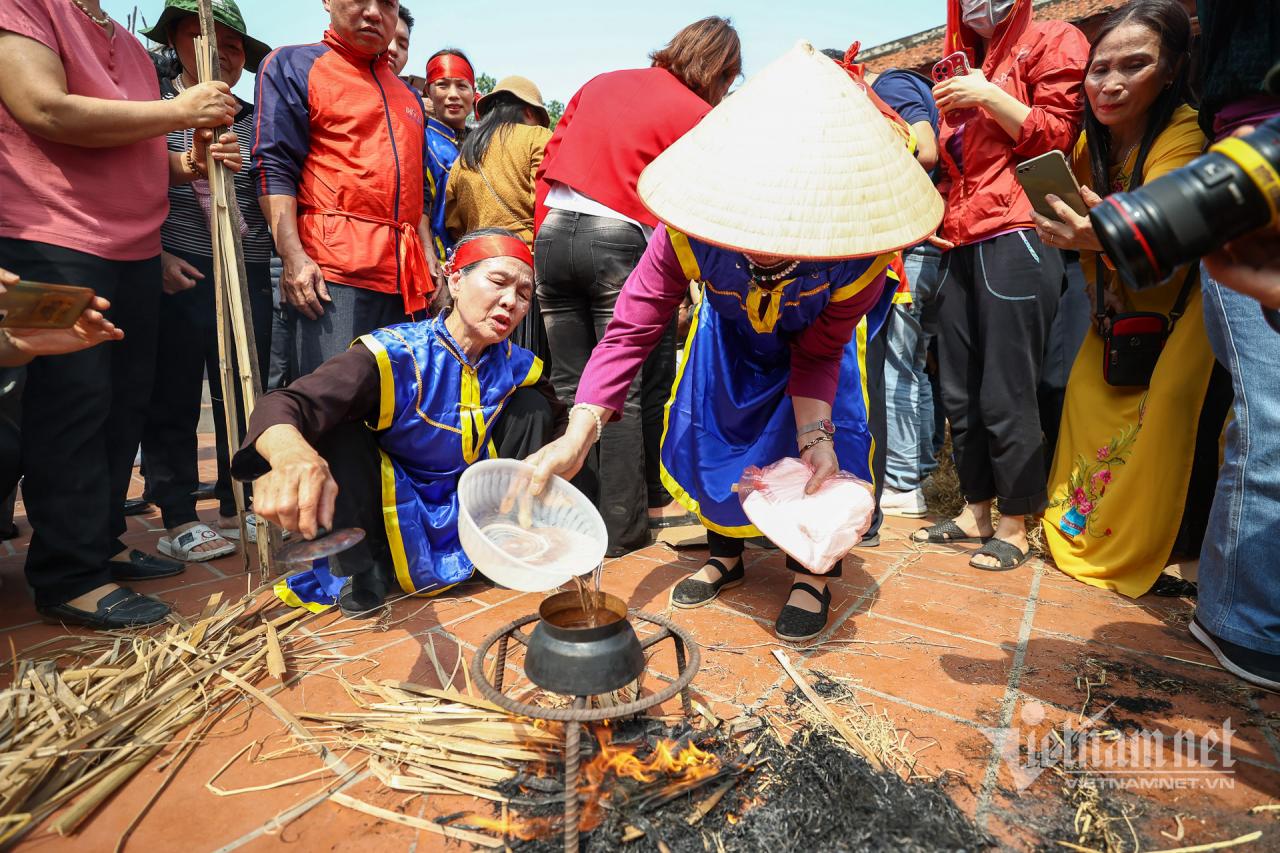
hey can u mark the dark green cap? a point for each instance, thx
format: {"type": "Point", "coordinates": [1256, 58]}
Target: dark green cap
{"type": "Point", "coordinates": [225, 12]}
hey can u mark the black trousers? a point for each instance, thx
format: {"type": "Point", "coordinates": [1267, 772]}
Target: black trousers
{"type": "Point", "coordinates": [997, 302]}
{"type": "Point", "coordinates": [187, 352]}
{"type": "Point", "coordinates": [581, 263]}
{"type": "Point", "coordinates": [727, 547]}
{"type": "Point", "coordinates": [351, 450]}
{"type": "Point", "coordinates": [82, 417]}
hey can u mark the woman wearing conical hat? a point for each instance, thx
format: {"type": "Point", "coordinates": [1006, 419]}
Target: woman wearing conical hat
{"type": "Point", "coordinates": [791, 257]}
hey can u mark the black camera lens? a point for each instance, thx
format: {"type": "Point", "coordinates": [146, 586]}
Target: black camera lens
{"type": "Point", "coordinates": [1150, 232]}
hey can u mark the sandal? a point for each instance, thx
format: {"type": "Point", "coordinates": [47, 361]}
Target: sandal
{"type": "Point", "coordinates": [182, 547]}
{"type": "Point", "coordinates": [796, 624]}
{"type": "Point", "coordinates": [123, 608]}
{"type": "Point", "coordinates": [690, 593]}
{"type": "Point", "coordinates": [944, 533]}
{"type": "Point", "coordinates": [1007, 556]}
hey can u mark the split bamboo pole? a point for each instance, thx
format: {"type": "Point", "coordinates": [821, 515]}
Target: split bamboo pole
{"type": "Point", "coordinates": [237, 350]}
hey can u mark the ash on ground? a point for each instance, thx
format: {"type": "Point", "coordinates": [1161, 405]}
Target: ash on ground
{"type": "Point", "coordinates": [811, 795]}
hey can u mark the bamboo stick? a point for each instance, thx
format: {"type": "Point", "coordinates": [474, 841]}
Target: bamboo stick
{"type": "Point", "coordinates": [850, 736]}
{"type": "Point", "coordinates": [231, 284]}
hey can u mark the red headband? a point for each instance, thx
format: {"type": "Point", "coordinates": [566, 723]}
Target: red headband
{"type": "Point", "coordinates": [483, 248]}
{"type": "Point", "coordinates": [450, 65]}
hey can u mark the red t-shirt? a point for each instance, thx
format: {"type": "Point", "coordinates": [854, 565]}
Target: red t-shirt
{"type": "Point", "coordinates": [108, 202]}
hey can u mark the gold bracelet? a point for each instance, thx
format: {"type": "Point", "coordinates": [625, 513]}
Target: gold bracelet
{"type": "Point", "coordinates": [814, 443]}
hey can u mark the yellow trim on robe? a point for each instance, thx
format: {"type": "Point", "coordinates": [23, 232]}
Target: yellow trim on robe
{"type": "Point", "coordinates": [289, 597]}
{"type": "Point", "coordinates": [849, 291]}
{"type": "Point", "coordinates": [861, 332]}
{"type": "Point", "coordinates": [674, 488]}
{"type": "Point", "coordinates": [684, 253]}
{"type": "Point", "coordinates": [391, 520]}
{"type": "Point", "coordinates": [471, 415]}
{"type": "Point", "coordinates": [387, 392]}
{"type": "Point", "coordinates": [764, 325]}
{"type": "Point", "coordinates": [534, 374]}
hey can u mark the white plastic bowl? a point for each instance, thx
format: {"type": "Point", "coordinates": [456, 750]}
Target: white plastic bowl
{"type": "Point", "coordinates": [562, 536]}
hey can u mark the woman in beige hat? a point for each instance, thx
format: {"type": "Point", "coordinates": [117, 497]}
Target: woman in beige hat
{"type": "Point", "coordinates": [792, 257]}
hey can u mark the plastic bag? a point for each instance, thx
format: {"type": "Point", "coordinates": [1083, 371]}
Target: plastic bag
{"type": "Point", "coordinates": [818, 529]}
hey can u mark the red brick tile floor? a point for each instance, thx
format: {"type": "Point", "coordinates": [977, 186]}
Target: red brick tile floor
{"type": "Point", "coordinates": [968, 664]}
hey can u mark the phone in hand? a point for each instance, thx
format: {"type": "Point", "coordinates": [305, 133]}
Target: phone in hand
{"type": "Point", "coordinates": [1049, 173]}
{"type": "Point", "coordinates": [36, 305]}
{"type": "Point", "coordinates": [954, 65]}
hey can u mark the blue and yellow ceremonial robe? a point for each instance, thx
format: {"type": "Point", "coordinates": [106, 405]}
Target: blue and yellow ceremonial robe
{"type": "Point", "coordinates": [729, 407]}
{"type": "Point", "coordinates": [442, 151]}
{"type": "Point", "coordinates": [437, 411]}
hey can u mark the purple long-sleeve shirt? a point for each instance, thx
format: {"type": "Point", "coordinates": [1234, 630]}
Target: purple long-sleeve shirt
{"type": "Point", "coordinates": [652, 296]}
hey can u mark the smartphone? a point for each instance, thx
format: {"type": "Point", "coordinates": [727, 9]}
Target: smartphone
{"type": "Point", "coordinates": [1049, 173]}
{"type": "Point", "coordinates": [35, 305]}
{"type": "Point", "coordinates": [954, 65]}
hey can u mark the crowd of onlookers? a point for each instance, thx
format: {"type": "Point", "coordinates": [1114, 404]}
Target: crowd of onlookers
{"type": "Point", "coordinates": [353, 188]}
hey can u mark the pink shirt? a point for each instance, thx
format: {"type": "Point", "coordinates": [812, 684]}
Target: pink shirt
{"type": "Point", "coordinates": [108, 202]}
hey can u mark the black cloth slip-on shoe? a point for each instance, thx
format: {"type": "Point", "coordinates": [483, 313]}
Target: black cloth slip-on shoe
{"type": "Point", "coordinates": [795, 624]}
{"type": "Point", "coordinates": [690, 593]}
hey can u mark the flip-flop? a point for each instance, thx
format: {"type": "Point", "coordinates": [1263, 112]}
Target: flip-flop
{"type": "Point", "coordinates": [1007, 556]}
{"type": "Point", "coordinates": [944, 533]}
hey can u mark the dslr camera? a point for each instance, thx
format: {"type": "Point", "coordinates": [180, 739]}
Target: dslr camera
{"type": "Point", "coordinates": [1231, 190]}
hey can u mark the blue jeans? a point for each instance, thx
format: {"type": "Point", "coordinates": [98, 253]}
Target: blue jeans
{"type": "Point", "coordinates": [908, 394]}
{"type": "Point", "coordinates": [1239, 597]}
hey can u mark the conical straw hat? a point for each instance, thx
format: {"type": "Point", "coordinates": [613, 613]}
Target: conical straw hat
{"type": "Point", "coordinates": [797, 163]}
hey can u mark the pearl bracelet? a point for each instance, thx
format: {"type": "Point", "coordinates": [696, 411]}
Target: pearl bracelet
{"type": "Point", "coordinates": [590, 411]}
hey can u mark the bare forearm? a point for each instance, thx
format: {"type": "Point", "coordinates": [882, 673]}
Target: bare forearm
{"type": "Point", "coordinates": [1008, 111]}
{"type": "Point", "coordinates": [281, 212]}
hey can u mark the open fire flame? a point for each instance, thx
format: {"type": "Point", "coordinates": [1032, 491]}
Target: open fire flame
{"type": "Point", "coordinates": [671, 768]}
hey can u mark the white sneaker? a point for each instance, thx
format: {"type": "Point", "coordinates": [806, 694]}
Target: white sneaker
{"type": "Point", "coordinates": [903, 504]}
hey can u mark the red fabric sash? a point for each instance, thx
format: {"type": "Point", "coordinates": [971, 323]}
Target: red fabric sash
{"type": "Point", "coordinates": [416, 283]}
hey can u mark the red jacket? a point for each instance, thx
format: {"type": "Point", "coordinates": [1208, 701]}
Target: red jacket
{"type": "Point", "coordinates": [615, 126]}
{"type": "Point", "coordinates": [338, 130]}
{"type": "Point", "coordinates": [1042, 65]}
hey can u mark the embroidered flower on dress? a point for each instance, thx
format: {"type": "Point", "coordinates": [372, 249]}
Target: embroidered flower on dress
{"type": "Point", "coordinates": [1103, 453]}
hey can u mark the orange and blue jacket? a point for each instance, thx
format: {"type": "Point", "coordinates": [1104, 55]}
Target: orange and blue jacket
{"type": "Point", "coordinates": [340, 132]}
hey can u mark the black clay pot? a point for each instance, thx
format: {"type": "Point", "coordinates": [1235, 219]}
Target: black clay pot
{"type": "Point", "coordinates": [578, 661]}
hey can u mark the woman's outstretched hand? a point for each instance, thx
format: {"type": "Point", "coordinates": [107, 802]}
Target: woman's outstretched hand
{"type": "Point", "coordinates": [562, 457]}
{"type": "Point", "coordinates": [565, 455]}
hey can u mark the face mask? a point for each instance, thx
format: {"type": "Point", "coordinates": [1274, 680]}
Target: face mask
{"type": "Point", "coordinates": [983, 16]}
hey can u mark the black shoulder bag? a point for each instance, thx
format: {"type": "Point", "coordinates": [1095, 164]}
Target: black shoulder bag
{"type": "Point", "coordinates": [1132, 341]}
